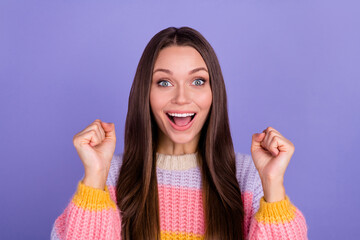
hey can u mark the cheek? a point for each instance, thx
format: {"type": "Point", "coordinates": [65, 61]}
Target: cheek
{"type": "Point", "coordinates": [154, 105]}
{"type": "Point", "coordinates": [159, 99]}
{"type": "Point", "coordinates": [154, 101]}
{"type": "Point", "coordinates": [157, 104]}
{"type": "Point", "coordinates": [204, 100]}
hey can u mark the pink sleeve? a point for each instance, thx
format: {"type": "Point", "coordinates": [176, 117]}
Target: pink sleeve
{"type": "Point", "coordinates": [277, 220]}
{"type": "Point", "coordinates": [263, 220]}
{"type": "Point", "coordinates": [91, 214]}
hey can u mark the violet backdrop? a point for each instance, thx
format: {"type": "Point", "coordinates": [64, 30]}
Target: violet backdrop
{"type": "Point", "coordinates": [292, 65]}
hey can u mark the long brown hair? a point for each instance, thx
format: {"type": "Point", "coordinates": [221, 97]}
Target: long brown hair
{"type": "Point", "coordinates": [136, 188]}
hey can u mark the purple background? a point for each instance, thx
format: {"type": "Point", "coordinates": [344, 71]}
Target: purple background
{"type": "Point", "coordinates": [292, 65]}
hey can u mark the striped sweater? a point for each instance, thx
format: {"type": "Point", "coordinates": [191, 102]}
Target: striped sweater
{"type": "Point", "coordinates": [93, 214]}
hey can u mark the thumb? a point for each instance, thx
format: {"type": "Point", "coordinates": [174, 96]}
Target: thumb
{"type": "Point", "coordinates": [256, 139]}
{"type": "Point", "coordinates": [109, 129]}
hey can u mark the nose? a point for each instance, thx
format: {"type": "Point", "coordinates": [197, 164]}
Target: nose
{"type": "Point", "coordinates": [181, 96]}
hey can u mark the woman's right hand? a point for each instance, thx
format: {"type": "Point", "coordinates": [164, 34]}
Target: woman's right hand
{"type": "Point", "coordinates": [96, 146]}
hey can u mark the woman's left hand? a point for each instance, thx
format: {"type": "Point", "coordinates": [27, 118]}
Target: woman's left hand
{"type": "Point", "coordinates": [271, 153]}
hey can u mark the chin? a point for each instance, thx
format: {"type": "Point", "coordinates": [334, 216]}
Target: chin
{"type": "Point", "coordinates": [185, 138]}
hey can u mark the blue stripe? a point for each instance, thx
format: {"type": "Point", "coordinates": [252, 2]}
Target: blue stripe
{"type": "Point", "coordinates": [180, 178]}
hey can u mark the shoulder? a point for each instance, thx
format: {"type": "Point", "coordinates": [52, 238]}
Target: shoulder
{"type": "Point", "coordinates": [114, 170]}
{"type": "Point", "coordinates": [246, 172]}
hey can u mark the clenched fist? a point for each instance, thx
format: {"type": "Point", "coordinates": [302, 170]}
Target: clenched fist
{"type": "Point", "coordinates": [271, 153]}
{"type": "Point", "coordinates": [95, 146]}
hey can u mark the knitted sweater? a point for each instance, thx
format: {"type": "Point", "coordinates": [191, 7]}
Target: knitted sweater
{"type": "Point", "coordinates": [93, 214]}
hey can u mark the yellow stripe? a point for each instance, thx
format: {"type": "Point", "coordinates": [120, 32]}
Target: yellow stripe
{"type": "Point", "coordinates": [92, 199]}
{"type": "Point", "coordinates": [168, 235]}
{"type": "Point", "coordinates": [275, 212]}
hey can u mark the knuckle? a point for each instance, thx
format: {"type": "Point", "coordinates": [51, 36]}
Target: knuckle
{"type": "Point", "coordinates": [75, 141]}
{"type": "Point", "coordinates": [96, 126]}
{"type": "Point", "coordinates": [75, 137]}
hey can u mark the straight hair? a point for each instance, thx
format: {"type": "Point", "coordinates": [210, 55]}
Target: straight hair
{"type": "Point", "coordinates": [136, 188]}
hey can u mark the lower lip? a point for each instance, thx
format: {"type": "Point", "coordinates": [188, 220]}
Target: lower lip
{"type": "Point", "coordinates": [182, 128]}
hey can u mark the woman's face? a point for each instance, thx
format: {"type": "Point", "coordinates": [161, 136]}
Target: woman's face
{"type": "Point", "coordinates": [180, 94]}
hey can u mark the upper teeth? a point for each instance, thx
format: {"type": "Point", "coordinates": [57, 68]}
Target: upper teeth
{"type": "Point", "coordinates": [181, 114]}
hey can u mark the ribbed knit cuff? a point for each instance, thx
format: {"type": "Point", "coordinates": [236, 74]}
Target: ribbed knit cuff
{"type": "Point", "coordinates": [275, 212]}
{"type": "Point", "coordinates": [94, 199]}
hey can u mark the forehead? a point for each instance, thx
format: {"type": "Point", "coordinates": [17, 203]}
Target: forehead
{"type": "Point", "coordinates": [179, 57]}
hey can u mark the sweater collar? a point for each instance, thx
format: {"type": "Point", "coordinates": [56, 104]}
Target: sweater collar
{"type": "Point", "coordinates": [176, 162]}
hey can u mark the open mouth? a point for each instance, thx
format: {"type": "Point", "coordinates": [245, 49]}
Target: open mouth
{"type": "Point", "coordinates": [181, 119]}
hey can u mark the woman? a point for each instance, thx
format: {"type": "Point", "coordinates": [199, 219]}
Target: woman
{"type": "Point", "coordinates": [179, 177]}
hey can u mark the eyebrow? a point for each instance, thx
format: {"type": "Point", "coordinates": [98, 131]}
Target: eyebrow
{"type": "Point", "coordinates": [171, 73]}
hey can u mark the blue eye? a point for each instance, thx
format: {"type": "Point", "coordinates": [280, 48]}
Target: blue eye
{"type": "Point", "coordinates": [199, 82]}
{"type": "Point", "coordinates": [164, 83]}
